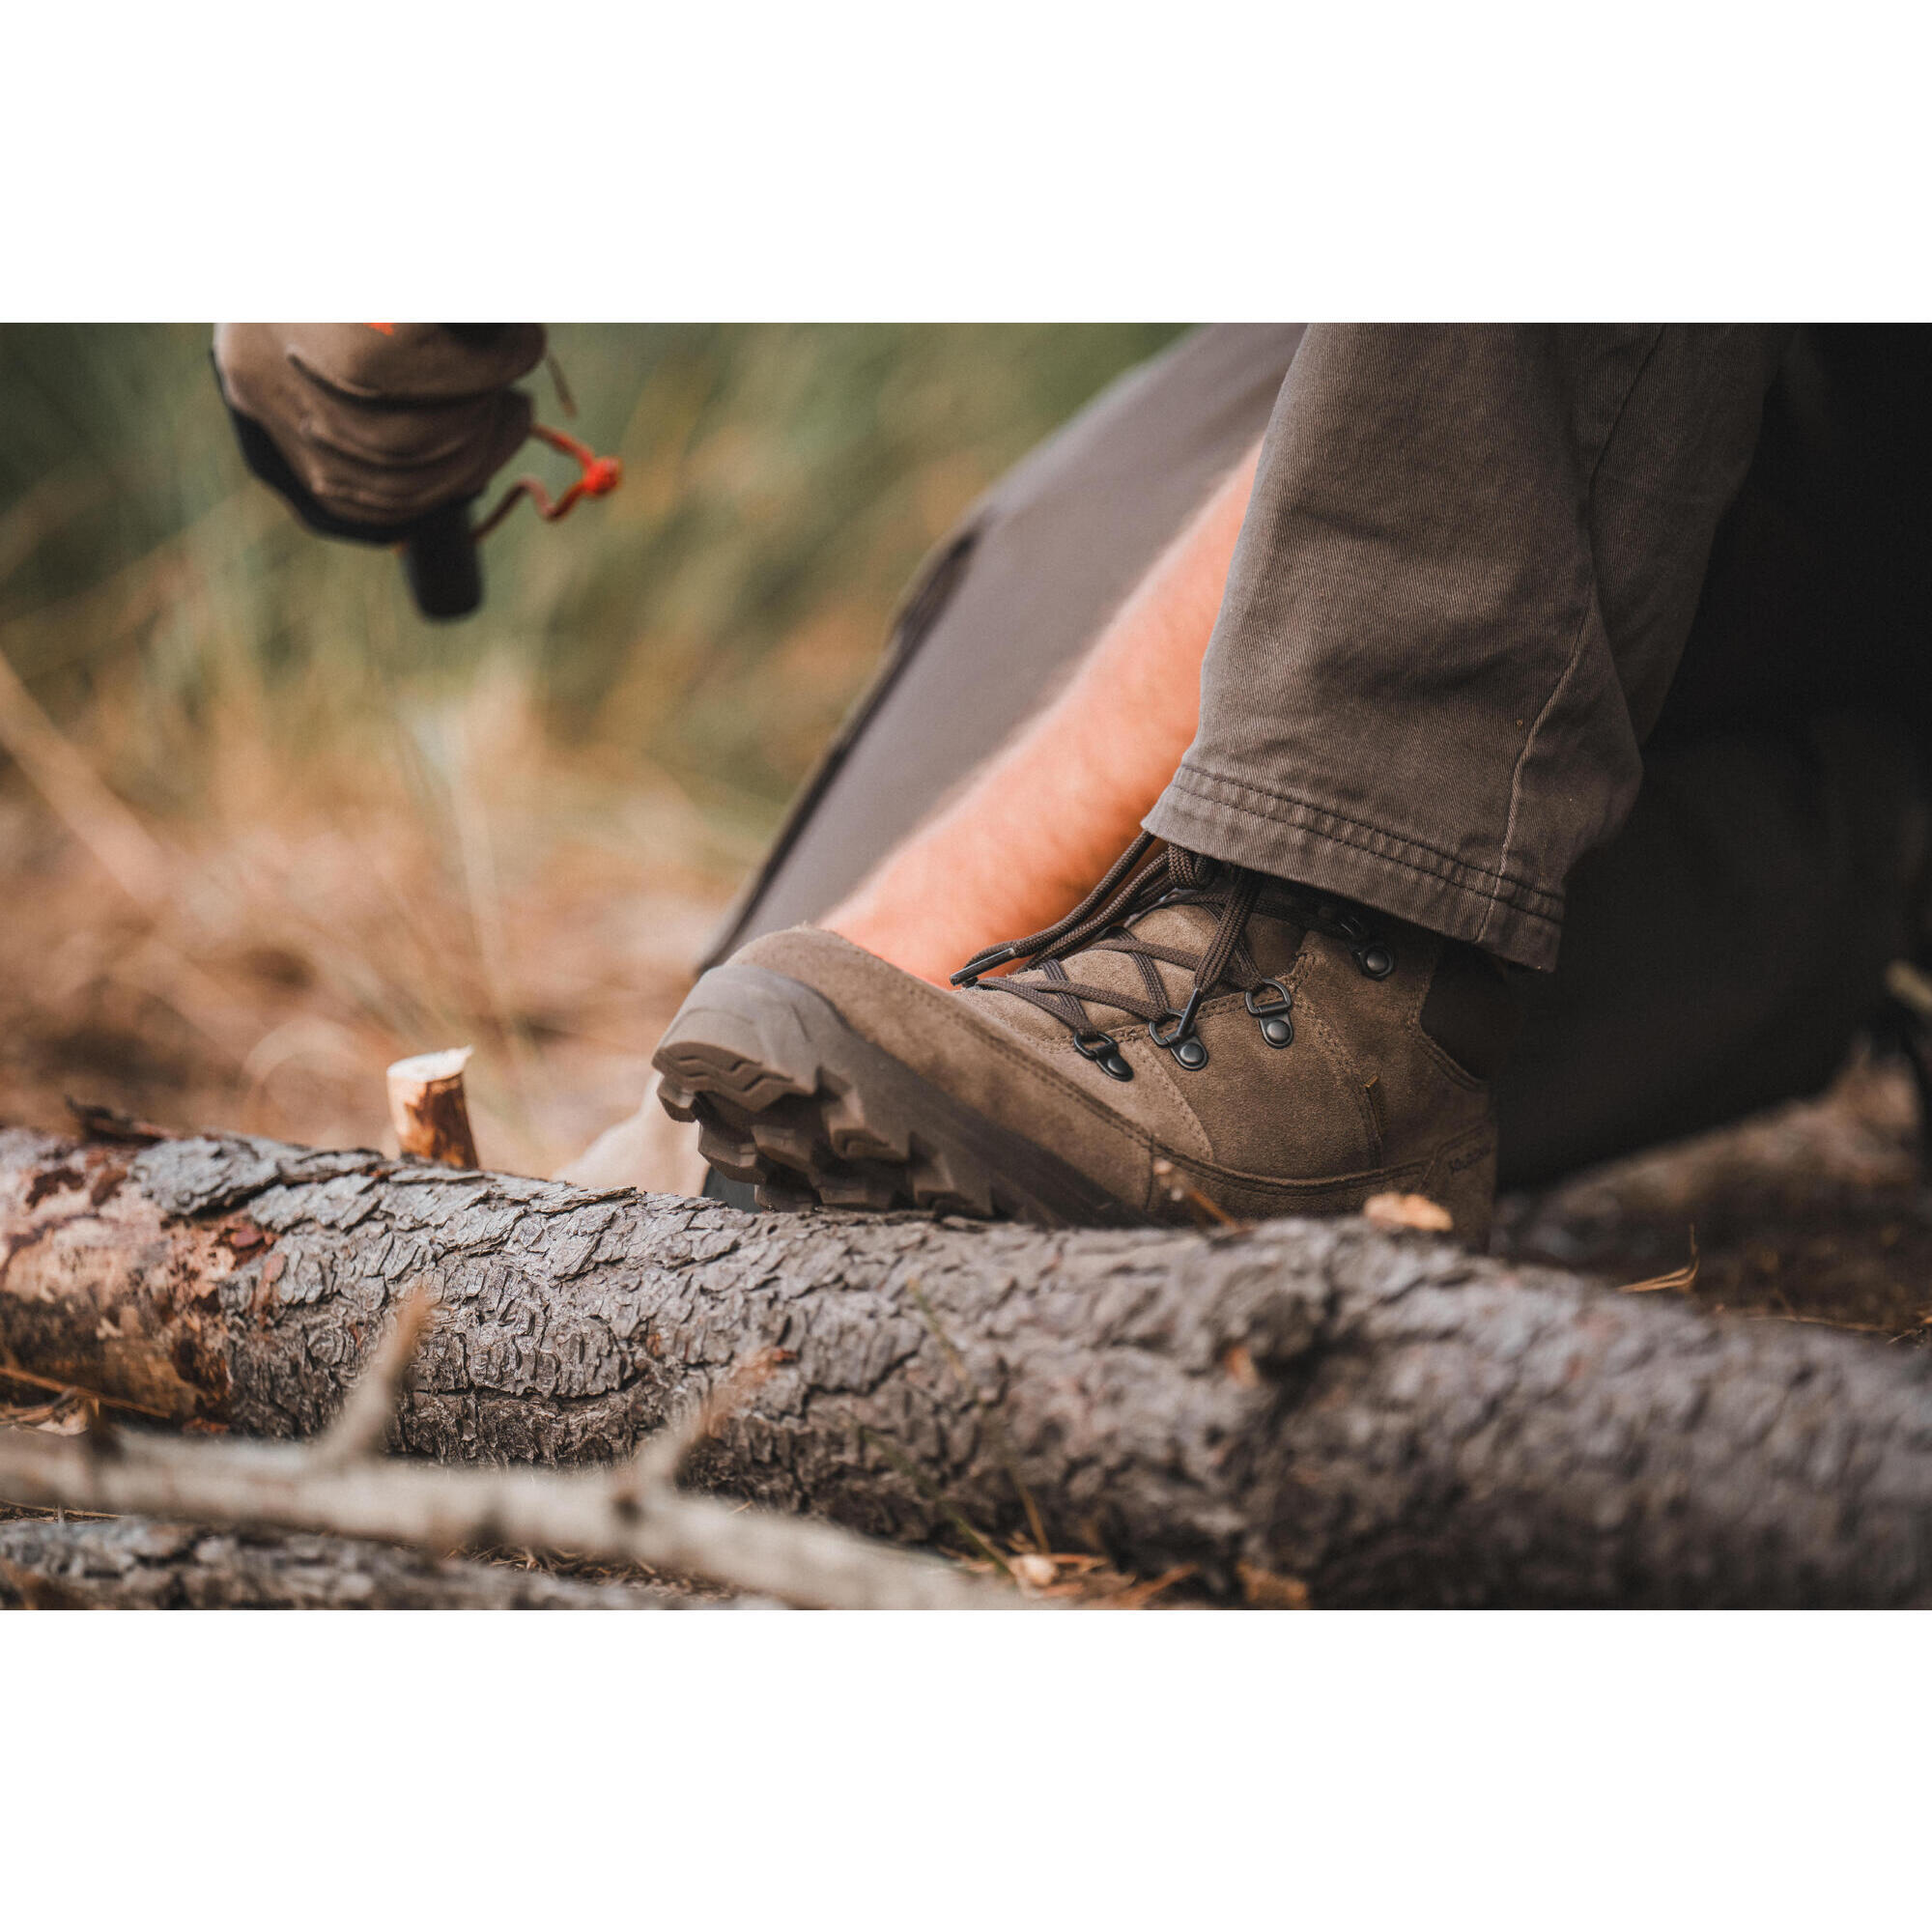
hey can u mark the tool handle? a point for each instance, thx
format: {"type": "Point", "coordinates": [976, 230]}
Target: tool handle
{"type": "Point", "coordinates": [441, 561]}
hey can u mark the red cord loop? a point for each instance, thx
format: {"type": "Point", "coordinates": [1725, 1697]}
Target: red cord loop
{"type": "Point", "coordinates": [598, 475]}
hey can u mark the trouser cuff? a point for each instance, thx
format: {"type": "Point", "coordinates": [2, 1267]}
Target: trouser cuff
{"type": "Point", "coordinates": [1291, 838]}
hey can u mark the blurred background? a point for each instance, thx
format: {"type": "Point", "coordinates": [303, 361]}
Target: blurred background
{"type": "Point", "coordinates": [263, 830]}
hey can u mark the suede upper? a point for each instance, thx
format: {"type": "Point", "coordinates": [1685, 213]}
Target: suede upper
{"type": "Point", "coordinates": [1360, 1101]}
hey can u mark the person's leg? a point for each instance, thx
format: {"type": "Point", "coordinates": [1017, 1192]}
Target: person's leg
{"type": "Point", "coordinates": [1024, 840]}
{"type": "Point", "coordinates": [1724, 949]}
{"type": "Point", "coordinates": [1720, 955]}
{"type": "Point", "coordinates": [1603, 1110]}
{"type": "Point", "coordinates": [1468, 573]}
{"type": "Point", "coordinates": [811, 1053]}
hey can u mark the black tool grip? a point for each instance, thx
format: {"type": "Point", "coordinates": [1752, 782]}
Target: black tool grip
{"type": "Point", "coordinates": [441, 561]}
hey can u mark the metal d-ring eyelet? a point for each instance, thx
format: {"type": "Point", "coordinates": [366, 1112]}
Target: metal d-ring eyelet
{"type": "Point", "coordinates": [1277, 1029]}
{"type": "Point", "coordinates": [1186, 1047]}
{"type": "Point", "coordinates": [1279, 1005]}
{"type": "Point", "coordinates": [1104, 1051]}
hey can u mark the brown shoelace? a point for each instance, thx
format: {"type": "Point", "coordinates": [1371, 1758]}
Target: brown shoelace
{"type": "Point", "coordinates": [1135, 884]}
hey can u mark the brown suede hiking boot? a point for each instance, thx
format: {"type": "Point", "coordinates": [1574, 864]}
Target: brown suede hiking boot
{"type": "Point", "coordinates": [1194, 1040]}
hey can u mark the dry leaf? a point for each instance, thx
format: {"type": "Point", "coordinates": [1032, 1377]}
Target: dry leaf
{"type": "Point", "coordinates": [1679, 1279]}
{"type": "Point", "coordinates": [1264, 1590]}
{"type": "Point", "coordinates": [1407, 1210]}
{"type": "Point", "coordinates": [1185, 1195]}
{"type": "Point", "coordinates": [1140, 1595]}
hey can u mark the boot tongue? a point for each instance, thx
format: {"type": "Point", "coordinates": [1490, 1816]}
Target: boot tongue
{"type": "Point", "coordinates": [1276, 928]}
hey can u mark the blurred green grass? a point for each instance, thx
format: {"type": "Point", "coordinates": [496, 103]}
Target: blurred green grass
{"type": "Point", "coordinates": [712, 620]}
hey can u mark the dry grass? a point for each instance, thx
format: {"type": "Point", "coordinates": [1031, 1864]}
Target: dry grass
{"type": "Point", "coordinates": [258, 967]}
{"type": "Point", "coordinates": [262, 831]}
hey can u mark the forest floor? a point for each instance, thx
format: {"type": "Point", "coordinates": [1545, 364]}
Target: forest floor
{"type": "Point", "coordinates": [1815, 1212]}
{"type": "Point", "coordinates": [271, 975]}
{"type": "Point", "coordinates": [255, 968]}
{"type": "Point", "coordinates": [264, 976]}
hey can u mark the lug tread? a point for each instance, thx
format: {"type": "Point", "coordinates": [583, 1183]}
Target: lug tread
{"type": "Point", "coordinates": [773, 1112]}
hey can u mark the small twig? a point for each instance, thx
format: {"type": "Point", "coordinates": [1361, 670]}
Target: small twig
{"type": "Point", "coordinates": [1911, 985]}
{"type": "Point", "coordinates": [656, 1464]}
{"type": "Point", "coordinates": [362, 1424]}
{"type": "Point", "coordinates": [337, 1485]}
{"type": "Point", "coordinates": [33, 1414]}
{"type": "Point", "coordinates": [9, 1372]}
{"type": "Point", "coordinates": [438, 1507]}
{"type": "Point", "coordinates": [1140, 1595]}
{"type": "Point", "coordinates": [109, 1124]}
{"type": "Point", "coordinates": [1815, 1321]}
{"type": "Point", "coordinates": [1680, 1280]}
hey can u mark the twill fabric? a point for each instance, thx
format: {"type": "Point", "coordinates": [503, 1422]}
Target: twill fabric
{"type": "Point", "coordinates": [1466, 575]}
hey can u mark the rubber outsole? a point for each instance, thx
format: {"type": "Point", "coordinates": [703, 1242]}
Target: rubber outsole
{"type": "Point", "coordinates": [791, 1100]}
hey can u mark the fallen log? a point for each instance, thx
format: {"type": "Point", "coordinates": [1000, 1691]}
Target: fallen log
{"type": "Point", "coordinates": [134, 1565]}
{"type": "Point", "coordinates": [1376, 1416]}
{"type": "Point", "coordinates": [630, 1512]}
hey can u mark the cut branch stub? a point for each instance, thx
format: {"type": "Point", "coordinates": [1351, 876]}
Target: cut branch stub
{"type": "Point", "coordinates": [428, 1110]}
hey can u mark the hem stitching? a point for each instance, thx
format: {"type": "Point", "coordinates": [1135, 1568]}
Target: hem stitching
{"type": "Point", "coordinates": [1491, 888]}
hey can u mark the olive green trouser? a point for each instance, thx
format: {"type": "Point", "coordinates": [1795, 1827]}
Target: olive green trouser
{"type": "Point", "coordinates": [1529, 634]}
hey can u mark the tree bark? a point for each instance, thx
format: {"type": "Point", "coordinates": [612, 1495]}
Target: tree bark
{"type": "Point", "coordinates": [133, 1565]}
{"type": "Point", "coordinates": [1378, 1416]}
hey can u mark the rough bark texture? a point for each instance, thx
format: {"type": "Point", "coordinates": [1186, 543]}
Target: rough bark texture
{"type": "Point", "coordinates": [132, 1565]}
{"type": "Point", "coordinates": [1381, 1416]}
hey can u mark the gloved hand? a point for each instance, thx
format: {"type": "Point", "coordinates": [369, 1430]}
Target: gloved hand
{"type": "Point", "coordinates": [367, 430]}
